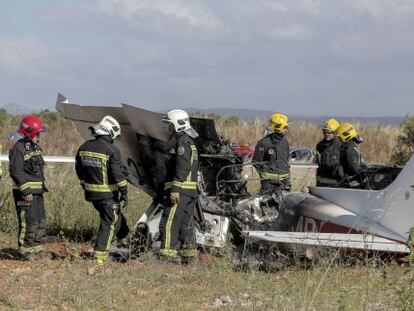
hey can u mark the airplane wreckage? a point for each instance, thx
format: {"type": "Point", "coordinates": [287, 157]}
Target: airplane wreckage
{"type": "Point", "coordinates": [374, 219]}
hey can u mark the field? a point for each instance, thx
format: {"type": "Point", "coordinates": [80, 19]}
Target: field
{"type": "Point", "coordinates": [71, 282]}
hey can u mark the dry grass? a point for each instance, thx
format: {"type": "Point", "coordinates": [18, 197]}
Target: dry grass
{"type": "Point", "coordinates": [147, 284]}
{"type": "Point", "coordinates": [378, 146]}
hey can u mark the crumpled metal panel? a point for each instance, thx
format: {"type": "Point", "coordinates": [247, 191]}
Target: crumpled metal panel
{"type": "Point", "coordinates": [140, 128]}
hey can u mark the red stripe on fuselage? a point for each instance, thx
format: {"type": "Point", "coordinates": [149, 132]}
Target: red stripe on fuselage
{"type": "Point", "coordinates": [308, 224]}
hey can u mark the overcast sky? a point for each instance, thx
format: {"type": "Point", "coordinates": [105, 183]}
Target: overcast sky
{"type": "Point", "coordinates": [349, 57]}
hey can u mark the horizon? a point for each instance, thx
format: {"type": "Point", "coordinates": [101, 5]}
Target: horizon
{"type": "Point", "coordinates": [221, 111]}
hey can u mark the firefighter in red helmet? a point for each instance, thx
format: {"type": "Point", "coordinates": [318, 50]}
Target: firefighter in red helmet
{"type": "Point", "coordinates": [26, 170]}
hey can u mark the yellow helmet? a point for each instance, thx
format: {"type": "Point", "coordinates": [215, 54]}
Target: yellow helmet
{"type": "Point", "coordinates": [277, 123]}
{"type": "Point", "coordinates": [346, 132]}
{"type": "Point", "coordinates": [330, 125]}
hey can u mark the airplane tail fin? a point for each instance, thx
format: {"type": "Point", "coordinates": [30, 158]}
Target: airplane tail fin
{"type": "Point", "coordinates": [392, 207]}
{"type": "Point", "coordinates": [397, 202]}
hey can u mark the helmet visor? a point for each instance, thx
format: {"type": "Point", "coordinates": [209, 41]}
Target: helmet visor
{"type": "Point", "coordinates": [165, 119]}
{"type": "Point", "coordinates": [99, 130]}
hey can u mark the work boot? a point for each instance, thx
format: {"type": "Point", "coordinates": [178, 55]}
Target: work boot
{"type": "Point", "coordinates": [101, 261]}
{"type": "Point", "coordinates": [101, 258]}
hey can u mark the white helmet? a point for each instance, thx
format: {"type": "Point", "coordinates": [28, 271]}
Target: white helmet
{"type": "Point", "coordinates": [181, 121]}
{"type": "Point", "coordinates": [107, 126]}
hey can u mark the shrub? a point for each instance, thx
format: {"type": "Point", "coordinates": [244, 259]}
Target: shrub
{"type": "Point", "coordinates": [405, 142]}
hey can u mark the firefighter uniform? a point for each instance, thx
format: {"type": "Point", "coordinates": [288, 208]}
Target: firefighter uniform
{"type": "Point", "coordinates": [99, 169]}
{"type": "Point", "coordinates": [177, 223]}
{"type": "Point", "coordinates": [271, 158]}
{"type": "Point", "coordinates": [350, 160]}
{"type": "Point", "coordinates": [26, 170]}
{"type": "Point", "coordinates": [328, 154]}
{"type": "Point", "coordinates": [164, 153]}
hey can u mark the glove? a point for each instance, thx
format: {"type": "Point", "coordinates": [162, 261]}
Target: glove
{"type": "Point", "coordinates": [28, 197]}
{"type": "Point", "coordinates": [175, 197]}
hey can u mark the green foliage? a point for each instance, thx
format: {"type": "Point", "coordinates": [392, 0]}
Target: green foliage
{"type": "Point", "coordinates": [52, 119]}
{"type": "Point", "coordinates": [406, 295]}
{"type": "Point", "coordinates": [7, 119]}
{"type": "Point", "coordinates": [405, 142]}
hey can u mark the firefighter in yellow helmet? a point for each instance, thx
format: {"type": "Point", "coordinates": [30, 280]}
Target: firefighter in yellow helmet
{"type": "Point", "coordinates": [271, 156]}
{"type": "Point", "coordinates": [327, 155]}
{"type": "Point", "coordinates": [351, 171]}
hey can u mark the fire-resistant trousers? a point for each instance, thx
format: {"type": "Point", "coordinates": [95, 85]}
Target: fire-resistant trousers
{"type": "Point", "coordinates": [177, 228]}
{"type": "Point", "coordinates": [113, 223]}
{"type": "Point", "coordinates": [32, 222]}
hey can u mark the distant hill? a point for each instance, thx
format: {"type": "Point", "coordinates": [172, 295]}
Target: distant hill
{"type": "Point", "coordinates": [245, 114]}
{"type": "Point", "coordinates": [250, 114]}
{"type": "Point", "coordinates": [16, 109]}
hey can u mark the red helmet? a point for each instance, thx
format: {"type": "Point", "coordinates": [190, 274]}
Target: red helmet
{"type": "Point", "coordinates": [31, 126]}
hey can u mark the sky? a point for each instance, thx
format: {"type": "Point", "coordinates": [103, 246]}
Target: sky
{"type": "Point", "coordinates": [301, 57]}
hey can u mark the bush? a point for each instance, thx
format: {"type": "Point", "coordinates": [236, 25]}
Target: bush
{"type": "Point", "coordinates": [405, 142]}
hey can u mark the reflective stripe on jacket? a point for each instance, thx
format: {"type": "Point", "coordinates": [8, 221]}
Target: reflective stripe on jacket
{"type": "Point", "coordinates": [183, 172]}
{"type": "Point", "coordinates": [271, 157]}
{"type": "Point", "coordinates": [27, 167]}
{"type": "Point", "coordinates": [99, 169]}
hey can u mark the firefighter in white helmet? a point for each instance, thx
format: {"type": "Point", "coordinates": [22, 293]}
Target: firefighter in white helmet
{"type": "Point", "coordinates": [99, 169]}
{"type": "Point", "coordinates": [177, 223]}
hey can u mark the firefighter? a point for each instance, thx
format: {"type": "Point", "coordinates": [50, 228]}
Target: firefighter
{"type": "Point", "coordinates": [327, 155]}
{"type": "Point", "coordinates": [99, 169]}
{"type": "Point", "coordinates": [271, 156]}
{"type": "Point", "coordinates": [27, 172]}
{"type": "Point", "coordinates": [177, 223]}
{"type": "Point", "coordinates": [351, 170]}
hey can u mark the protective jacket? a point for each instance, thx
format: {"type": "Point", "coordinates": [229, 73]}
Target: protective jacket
{"type": "Point", "coordinates": [164, 153]}
{"type": "Point", "coordinates": [350, 159]}
{"type": "Point", "coordinates": [99, 169]}
{"type": "Point", "coordinates": [271, 157]}
{"type": "Point", "coordinates": [182, 173]}
{"type": "Point", "coordinates": [328, 154]}
{"type": "Point", "coordinates": [26, 167]}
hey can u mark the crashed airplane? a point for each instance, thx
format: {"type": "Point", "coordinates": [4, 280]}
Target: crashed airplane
{"type": "Point", "coordinates": [377, 220]}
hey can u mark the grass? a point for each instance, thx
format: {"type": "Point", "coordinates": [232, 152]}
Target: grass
{"type": "Point", "coordinates": [147, 284]}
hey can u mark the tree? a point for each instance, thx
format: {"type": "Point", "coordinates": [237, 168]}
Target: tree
{"type": "Point", "coordinates": [405, 142]}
